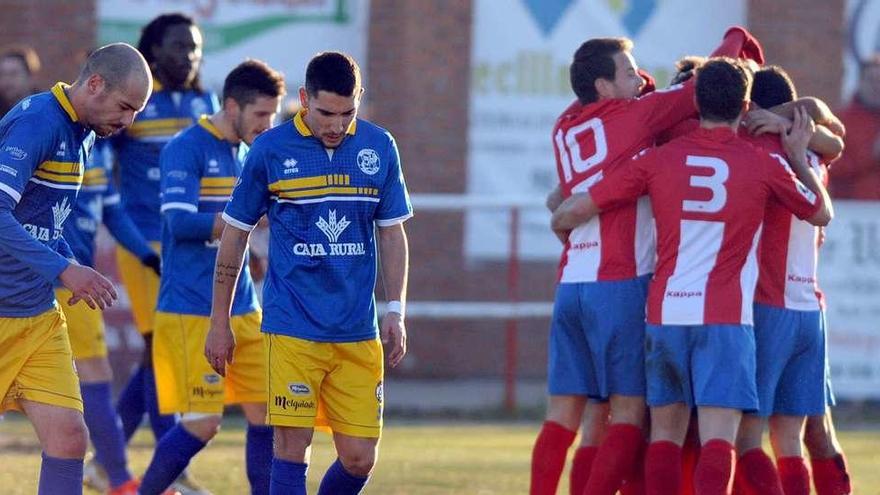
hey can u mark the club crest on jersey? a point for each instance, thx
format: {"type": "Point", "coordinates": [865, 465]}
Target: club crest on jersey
{"type": "Point", "coordinates": [332, 229]}
{"type": "Point", "coordinates": [368, 161]}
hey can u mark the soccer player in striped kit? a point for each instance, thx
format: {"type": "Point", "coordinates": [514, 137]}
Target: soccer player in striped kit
{"type": "Point", "coordinates": [708, 190]}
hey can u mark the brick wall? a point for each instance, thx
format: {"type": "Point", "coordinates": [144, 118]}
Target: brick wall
{"type": "Point", "coordinates": [806, 38]}
{"type": "Point", "coordinates": [61, 31]}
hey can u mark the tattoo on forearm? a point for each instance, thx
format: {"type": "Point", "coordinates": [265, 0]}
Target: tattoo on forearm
{"type": "Point", "coordinates": [226, 273]}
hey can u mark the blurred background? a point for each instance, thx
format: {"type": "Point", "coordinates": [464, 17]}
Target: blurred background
{"type": "Point", "coordinates": [470, 89]}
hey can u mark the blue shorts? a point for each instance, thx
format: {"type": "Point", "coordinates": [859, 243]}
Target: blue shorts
{"type": "Point", "coordinates": [791, 361]}
{"type": "Point", "coordinates": [597, 339]}
{"type": "Point", "coordinates": [701, 365]}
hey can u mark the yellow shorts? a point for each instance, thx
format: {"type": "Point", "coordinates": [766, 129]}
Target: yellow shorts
{"type": "Point", "coordinates": [336, 385]}
{"type": "Point", "coordinates": [141, 284]}
{"type": "Point", "coordinates": [36, 363]}
{"type": "Point", "coordinates": [185, 382]}
{"type": "Point", "coordinates": [85, 327]}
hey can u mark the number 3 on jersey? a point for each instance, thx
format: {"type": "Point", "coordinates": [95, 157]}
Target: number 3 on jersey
{"type": "Point", "coordinates": [569, 145]}
{"type": "Point", "coordinates": [714, 183]}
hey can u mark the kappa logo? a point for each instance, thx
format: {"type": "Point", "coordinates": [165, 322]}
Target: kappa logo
{"type": "Point", "coordinates": [290, 166]}
{"type": "Point", "coordinates": [299, 388]}
{"type": "Point", "coordinates": [331, 227]}
{"type": "Point", "coordinates": [368, 161]}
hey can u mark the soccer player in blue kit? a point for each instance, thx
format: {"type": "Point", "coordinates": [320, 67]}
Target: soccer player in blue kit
{"type": "Point", "coordinates": [97, 203]}
{"type": "Point", "coordinates": [335, 196]}
{"type": "Point", "coordinates": [172, 46]}
{"type": "Point", "coordinates": [199, 168]}
{"type": "Point", "coordinates": [44, 143]}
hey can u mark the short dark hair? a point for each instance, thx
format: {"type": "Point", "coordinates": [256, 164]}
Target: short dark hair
{"type": "Point", "coordinates": [25, 54]}
{"type": "Point", "coordinates": [252, 79]}
{"type": "Point", "coordinates": [153, 33]}
{"type": "Point", "coordinates": [685, 68]}
{"type": "Point", "coordinates": [593, 60]}
{"type": "Point", "coordinates": [335, 72]}
{"type": "Point", "coordinates": [772, 86]}
{"type": "Point", "coordinates": [723, 84]}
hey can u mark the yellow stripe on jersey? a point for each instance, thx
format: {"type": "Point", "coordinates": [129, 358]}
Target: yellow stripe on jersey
{"type": "Point", "coordinates": [215, 191]}
{"type": "Point", "coordinates": [323, 191]}
{"type": "Point", "coordinates": [158, 127]}
{"type": "Point", "coordinates": [95, 177]}
{"type": "Point", "coordinates": [310, 182]}
{"type": "Point", "coordinates": [62, 172]}
{"type": "Point", "coordinates": [217, 181]}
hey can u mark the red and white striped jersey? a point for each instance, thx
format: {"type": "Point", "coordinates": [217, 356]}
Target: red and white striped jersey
{"type": "Point", "coordinates": [788, 251]}
{"type": "Point", "coordinates": [708, 190]}
{"type": "Point", "coordinates": [592, 140]}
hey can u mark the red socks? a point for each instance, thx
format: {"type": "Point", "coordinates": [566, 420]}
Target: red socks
{"type": "Point", "coordinates": [618, 452]}
{"type": "Point", "coordinates": [548, 457]}
{"type": "Point", "coordinates": [794, 475]}
{"type": "Point", "coordinates": [580, 468]}
{"type": "Point", "coordinates": [831, 476]}
{"type": "Point", "coordinates": [714, 474]}
{"type": "Point", "coordinates": [756, 475]}
{"type": "Point", "coordinates": [662, 469]}
{"type": "Point", "coordinates": [690, 454]}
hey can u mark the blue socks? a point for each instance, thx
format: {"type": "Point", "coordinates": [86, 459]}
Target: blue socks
{"type": "Point", "coordinates": [161, 424]}
{"type": "Point", "coordinates": [172, 455]}
{"type": "Point", "coordinates": [288, 478]}
{"type": "Point", "coordinates": [130, 407]}
{"type": "Point", "coordinates": [61, 476]}
{"type": "Point", "coordinates": [105, 431]}
{"type": "Point", "coordinates": [338, 481]}
{"type": "Point", "coordinates": [258, 457]}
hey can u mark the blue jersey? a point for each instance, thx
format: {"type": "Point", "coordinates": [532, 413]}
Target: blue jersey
{"type": "Point", "coordinates": [199, 169]}
{"type": "Point", "coordinates": [43, 150]}
{"type": "Point", "coordinates": [98, 202]}
{"type": "Point", "coordinates": [322, 206]}
{"type": "Point", "coordinates": [166, 114]}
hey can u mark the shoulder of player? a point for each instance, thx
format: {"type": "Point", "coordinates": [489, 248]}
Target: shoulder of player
{"type": "Point", "coordinates": [369, 130]}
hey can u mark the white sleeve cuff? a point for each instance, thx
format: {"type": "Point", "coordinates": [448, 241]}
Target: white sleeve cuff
{"type": "Point", "coordinates": [237, 223]}
{"type": "Point", "coordinates": [15, 195]}
{"type": "Point", "coordinates": [179, 206]}
{"type": "Point", "coordinates": [393, 221]}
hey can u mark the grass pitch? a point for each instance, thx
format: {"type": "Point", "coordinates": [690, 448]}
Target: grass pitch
{"type": "Point", "coordinates": [424, 458]}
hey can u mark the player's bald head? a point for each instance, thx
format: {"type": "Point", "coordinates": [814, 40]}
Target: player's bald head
{"type": "Point", "coordinates": [117, 64]}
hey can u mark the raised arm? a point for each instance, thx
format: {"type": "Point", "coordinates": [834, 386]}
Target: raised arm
{"type": "Point", "coordinates": [795, 142]}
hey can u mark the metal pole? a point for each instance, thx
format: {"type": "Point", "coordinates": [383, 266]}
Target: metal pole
{"type": "Point", "coordinates": [511, 339]}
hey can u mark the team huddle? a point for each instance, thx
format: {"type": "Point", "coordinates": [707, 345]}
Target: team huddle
{"type": "Point", "coordinates": [197, 174]}
{"type": "Point", "coordinates": [687, 313]}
